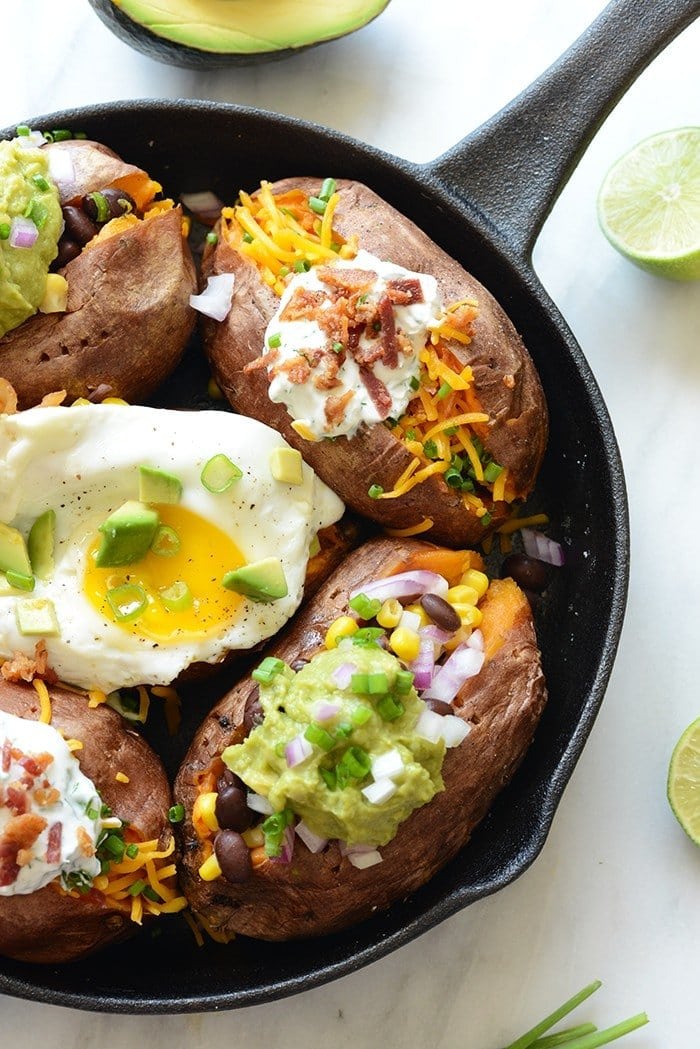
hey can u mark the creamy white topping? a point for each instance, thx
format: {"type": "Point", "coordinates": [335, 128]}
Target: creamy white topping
{"type": "Point", "coordinates": [363, 399]}
{"type": "Point", "coordinates": [52, 797]}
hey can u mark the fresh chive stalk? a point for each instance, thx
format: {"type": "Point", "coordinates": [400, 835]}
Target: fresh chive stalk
{"type": "Point", "coordinates": [562, 1038]}
{"type": "Point", "coordinates": [584, 1036]}
{"type": "Point", "coordinates": [527, 1039]}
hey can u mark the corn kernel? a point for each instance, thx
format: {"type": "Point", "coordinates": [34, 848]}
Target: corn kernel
{"type": "Point", "coordinates": [390, 613]}
{"type": "Point", "coordinates": [344, 626]}
{"type": "Point", "coordinates": [204, 809]}
{"type": "Point", "coordinates": [115, 400]}
{"type": "Point", "coordinates": [253, 837]}
{"type": "Point", "coordinates": [425, 619]}
{"type": "Point", "coordinates": [479, 580]}
{"type": "Point", "coordinates": [469, 615]}
{"type": "Point", "coordinates": [458, 638]}
{"type": "Point", "coordinates": [80, 402]}
{"type": "Point", "coordinates": [405, 643]}
{"type": "Point", "coordinates": [210, 869]}
{"type": "Point", "coordinates": [462, 595]}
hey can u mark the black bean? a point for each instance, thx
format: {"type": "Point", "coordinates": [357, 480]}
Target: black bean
{"type": "Point", "coordinates": [233, 855]}
{"type": "Point", "coordinates": [253, 714]}
{"type": "Point", "coordinates": [528, 572]}
{"type": "Point", "coordinates": [117, 201]}
{"type": "Point", "coordinates": [78, 226]}
{"type": "Point", "coordinates": [67, 251]}
{"type": "Point", "coordinates": [441, 613]}
{"type": "Point", "coordinates": [439, 706]}
{"type": "Point", "coordinates": [232, 812]}
{"type": "Point", "coordinates": [228, 779]}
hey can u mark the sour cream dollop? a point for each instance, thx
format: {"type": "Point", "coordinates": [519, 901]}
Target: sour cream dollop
{"type": "Point", "coordinates": [49, 809]}
{"type": "Point", "coordinates": [343, 348]}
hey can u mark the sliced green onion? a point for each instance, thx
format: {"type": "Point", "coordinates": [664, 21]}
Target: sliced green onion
{"type": "Point", "coordinates": [366, 607]}
{"type": "Point", "coordinates": [430, 449]}
{"type": "Point", "coordinates": [274, 341]}
{"type": "Point", "coordinates": [273, 829]}
{"type": "Point", "coordinates": [403, 682]}
{"type": "Point", "coordinates": [37, 212]}
{"type": "Point", "coordinates": [284, 270]}
{"type": "Point", "coordinates": [367, 636]}
{"type": "Point", "coordinates": [247, 237]}
{"type": "Point", "coordinates": [149, 893]}
{"type": "Point", "coordinates": [450, 431]}
{"type": "Point", "coordinates": [132, 851]}
{"type": "Point", "coordinates": [360, 715]}
{"type": "Point", "coordinates": [319, 737]}
{"type": "Point", "coordinates": [343, 730]}
{"type": "Point", "coordinates": [101, 206]}
{"type": "Point", "coordinates": [127, 601]}
{"type": "Point", "coordinates": [414, 383]}
{"type": "Point", "coordinates": [337, 347]}
{"type": "Point", "coordinates": [492, 472]}
{"type": "Point", "coordinates": [359, 683]}
{"type": "Point", "coordinates": [453, 478]}
{"type": "Point", "coordinates": [91, 812]}
{"type": "Point", "coordinates": [41, 182]}
{"type": "Point", "coordinates": [302, 266]}
{"type": "Point", "coordinates": [21, 130]}
{"type": "Point", "coordinates": [166, 541]}
{"type": "Point", "coordinates": [357, 762]}
{"type": "Point", "coordinates": [219, 473]}
{"type": "Point", "coordinates": [269, 668]}
{"type": "Point", "coordinates": [114, 846]}
{"type": "Point", "coordinates": [61, 135]}
{"type": "Point", "coordinates": [137, 887]}
{"type": "Point", "coordinates": [410, 435]}
{"type": "Point", "coordinates": [317, 205]}
{"type": "Point", "coordinates": [177, 597]}
{"type": "Point", "coordinates": [329, 777]}
{"type": "Point", "coordinates": [211, 237]}
{"type": "Point", "coordinates": [389, 709]}
{"type": "Point", "coordinates": [485, 519]}
{"type": "Point", "coordinates": [444, 391]}
{"type": "Point", "coordinates": [4, 230]}
{"type": "Point", "coordinates": [375, 491]}
{"type": "Point", "coordinates": [377, 683]}
{"type": "Point", "coordinates": [327, 189]}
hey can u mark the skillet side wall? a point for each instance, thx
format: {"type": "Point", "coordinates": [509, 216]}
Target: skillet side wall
{"type": "Point", "coordinates": [581, 488]}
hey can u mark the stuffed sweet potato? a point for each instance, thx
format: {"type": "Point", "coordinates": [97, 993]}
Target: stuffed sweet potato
{"type": "Point", "coordinates": [113, 315]}
{"type": "Point", "coordinates": [83, 861]}
{"type": "Point", "coordinates": [360, 755]}
{"type": "Point", "coordinates": [403, 384]}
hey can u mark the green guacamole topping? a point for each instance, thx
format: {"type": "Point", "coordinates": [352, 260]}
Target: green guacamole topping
{"type": "Point", "coordinates": [325, 789]}
{"type": "Point", "coordinates": [27, 191]}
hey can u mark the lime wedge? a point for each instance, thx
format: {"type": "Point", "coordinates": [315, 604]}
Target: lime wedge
{"type": "Point", "coordinates": [649, 204]}
{"type": "Point", "coordinates": [683, 786]}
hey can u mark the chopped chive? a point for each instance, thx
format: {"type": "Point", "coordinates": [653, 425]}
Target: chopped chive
{"type": "Point", "coordinates": [374, 491]}
{"type": "Point", "coordinates": [444, 391]}
{"type": "Point", "coordinates": [274, 341]}
{"type": "Point", "coordinates": [366, 607]}
{"type": "Point", "coordinates": [492, 472]}
{"type": "Point", "coordinates": [302, 266]}
{"type": "Point", "coordinates": [211, 237]}
{"type": "Point", "coordinates": [360, 715]}
{"type": "Point", "coordinates": [430, 449]}
{"type": "Point", "coordinates": [40, 182]}
{"type": "Point", "coordinates": [527, 1039]}
{"type": "Point", "coordinates": [61, 135]}
{"type": "Point", "coordinates": [268, 669]}
{"type": "Point", "coordinates": [132, 851]}
{"type": "Point", "coordinates": [327, 189]}
{"type": "Point", "coordinates": [562, 1038]}
{"type": "Point", "coordinates": [22, 130]}
{"type": "Point", "coordinates": [319, 737]}
{"type": "Point", "coordinates": [4, 230]}
{"type": "Point", "coordinates": [360, 683]}
{"type": "Point", "coordinates": [389, 709]}
{"type": "Point", "coordinates": [317, 205]}
{"type": "Point", "coordinates": [414, 383]}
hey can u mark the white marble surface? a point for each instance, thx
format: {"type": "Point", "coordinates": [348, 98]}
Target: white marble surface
{"type": "Point", "coordinates": [615, 893]}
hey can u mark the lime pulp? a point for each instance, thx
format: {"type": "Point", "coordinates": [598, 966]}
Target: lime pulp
{"type": "Point", "coordinates": [683, 785]}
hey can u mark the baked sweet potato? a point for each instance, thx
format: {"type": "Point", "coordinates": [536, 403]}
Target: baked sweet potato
{"type": "Point", "coordinates": [315, 893]}
{"type": "Point", "coordinates": [127, 316]}
{"type": "Point", "coordinates": [477, 381]}
{"type": "Point", "coordinates": [52, 925]}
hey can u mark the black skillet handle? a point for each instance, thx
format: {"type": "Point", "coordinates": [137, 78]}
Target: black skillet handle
{"type": "Point", "coordinates": [514, 166]}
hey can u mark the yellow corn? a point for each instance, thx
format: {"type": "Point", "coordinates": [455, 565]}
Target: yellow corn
{"type": "Point", "coordinates": [425, 619]}
{"type": "Point", "coordinates": [204, 809]}
{"type": "Point", "coordinates": [390, 613]}
{"type": "Point", "coordinates": [462, 595]}
{"type": "Point", "coordinates": [479, 580]}
{"type": "Point", "coordinates": [405, 643]}
{"type": "Point", "coordinates": [469, 615]}
{"type": "Point", "coordinates": [253, 837]}
{"type": "Point", "coordinates": [210, 869]}
{"type": "Point", "coordinates": [344, 626]}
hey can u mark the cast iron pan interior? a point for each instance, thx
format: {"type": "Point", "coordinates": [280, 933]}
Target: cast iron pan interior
{"type": "Point", "coordinates": [192, 146]}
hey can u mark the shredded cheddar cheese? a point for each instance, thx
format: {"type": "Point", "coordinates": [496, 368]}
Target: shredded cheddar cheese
{"type": "Point", "coordinates": [121, 777]}
{"type": "Point", "coordinates": [44, 700]}
{"type": "Point", "coordinates": [74, 745]}
{"type": "Point", "coordinates": [404, 533]}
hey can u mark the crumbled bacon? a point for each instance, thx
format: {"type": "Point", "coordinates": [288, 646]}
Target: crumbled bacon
{"type": "Point", "coordinates": [85, 842]}
{"type": "Point", "coordinates": [327, 377]}
{"type": "Point", "coordinates": [303, 305]}
{"type": "Point", "coordinates": [53, 848]}
{"type": "Point", "coordinates": [35, 764]}
{"type": "Point", "coordinates": [22, 831]}
{"type": "Point", "coordinates": [16, 799]}
{"type": "Point", "coordinates": [23, 668]}
{"type": "Point", "coordinates": [261, 362]}
{"type": "Point", "coordinates": [405, 291]}
{"type": "Point", "coordinates": [46, 796]}
{"type": "Point", "coordinates": [335, 407]}
{"type": "Point", "coordinates": [334, 322]}
{"type": "Point", "coordinates": [296, 368]}
{"type": "Point", "coordinates": [24, 856]}
{"type": "Point", "coordinates": [388, 332]}
{"type": "Point", "coordinates": [381, 398]}
{"type": "Point", "coordinates": [6, 756]}
{"type": "Point", "coordinates": [346, 279]}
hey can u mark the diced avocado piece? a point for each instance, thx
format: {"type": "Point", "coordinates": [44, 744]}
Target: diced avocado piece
{"type": "Point", "coordinates": [286, 465]}
{"type": "Point", "coordinates": [13, 551]}
{"type": "Point", "coordinates": [20, 581]}
{"type": "Point", "coordinates": [36, 617]}
{"type": "Point", "coordinates": [40, 544]}
{"type": "Point", "coordinates": [261, 581]}
{"type": "Point", "coordinates": [158, 486]}
{"type": "Point", "coordinates": [127, 535]}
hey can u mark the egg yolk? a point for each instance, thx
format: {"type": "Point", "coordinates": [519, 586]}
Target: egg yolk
{"type": "Point", "coordinates": [205, 553]}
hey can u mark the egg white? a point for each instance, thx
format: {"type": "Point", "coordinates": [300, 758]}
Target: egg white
{"type": "Point", "coordinates": [83, 463]}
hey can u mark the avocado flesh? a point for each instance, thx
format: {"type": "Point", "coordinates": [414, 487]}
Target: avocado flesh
{"type": "Point", "coordinates": [250, 26]}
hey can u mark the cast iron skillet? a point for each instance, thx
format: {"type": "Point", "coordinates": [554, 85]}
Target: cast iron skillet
{"type": "Point", "coordinates": [484, 201]}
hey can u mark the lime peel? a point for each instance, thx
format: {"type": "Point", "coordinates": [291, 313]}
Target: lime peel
{"type": "Point", "coordinates": [683, 786]}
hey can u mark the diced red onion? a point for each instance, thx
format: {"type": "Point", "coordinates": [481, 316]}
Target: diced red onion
{"type": "Point", "coordinates": [538, 545]}
{"type": "Point", "coordinates": [313, 842]}
{"type": "Point", "coordinates": [297, 750]}
{"type": "Point", "coordinates": [362, 860]}
{"type": "Point", "coordinates": [215, 300]}
{"type": "Point", "coordinates": [342, 675]}
{"type": "Point", "coordinates": [429, 725]}
{"type": "Point", "coordinates": [205, 206]}
{"type": "Point", "coordinates": [465, 662]}
{"type": "Point", "coordinates": [423, 666]}
{"type": "Point", "coordinates": [324, 711]}
{"type": "Point", "coordinates": [257, 803]}
{"type": "Point", "coordinates": [476, 640]}
{"type": "Point", "coordinates": [404, 585]}
{"type": "Point", "coordinates": [454, 730]}
{"type": "Point", "coordinates": [287, 850]}
{"type": "Point", "coordinates": [62, 173]}
{"type": "Point", "coordinates": [387, 765]}
{"type": "Point", "coordinates": [349, 850]}
{"type": "Point", "coordinates": [23, 232]}
{"type": "Point", "coordinates": [437, 635]}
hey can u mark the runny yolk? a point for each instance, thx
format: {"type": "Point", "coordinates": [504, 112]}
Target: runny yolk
{"type": "Point", "coordinates": [205, 554]}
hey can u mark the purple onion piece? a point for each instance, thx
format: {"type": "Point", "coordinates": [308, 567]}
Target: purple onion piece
{"type": "Point", "coordinates": [297, 750]}
{"type": "Point", "coordinates": [423, 666]}
{"type": "Point", "coordinates": [404, 585]}
{"type": "Point", "coordinates": [313, 842]}
{"type": "Point", "coordinates": [465, 662]}
{"type": "Point", "coordinates": [342, 675]}
{"type": "Point", "coordinates": [23, 232]}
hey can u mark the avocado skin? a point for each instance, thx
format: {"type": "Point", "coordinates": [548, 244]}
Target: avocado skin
{"type": "Point", "coordinates": [174, 54]}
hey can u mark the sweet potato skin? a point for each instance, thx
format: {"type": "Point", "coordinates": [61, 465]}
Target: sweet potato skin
{"type": "Point", "coordinates": [323, 893]}
{"type": "Point", "coordinates": [128, 317]}
{"type": "Point", "coordinates": [505, 379]}
{"type": "Point", "coordinates": [47, 926]}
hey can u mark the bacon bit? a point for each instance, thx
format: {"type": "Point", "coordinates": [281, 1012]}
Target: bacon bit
{"type": "Point", "coordinates": [463, 317]}
{"type": "Point", "coordinates": [346, 279]}
{"type": "Point", "coordinates": [46, 796]}
{"type": "Point", "coordinates": [24, 857]}
{"type": "Point", "coordinates": [53, 848]}
{"type": "Point", "coordinates": [87, 847]}
{"type": "Point", "coordinates": [35, 764]}
{"type": "Point", "coordinates": [303, 305]}
{"type": "Point", "coordinates": [22, 831]}
{"type": "Point", "coordinates": [8, 865]}
{"type": "Point", "coordinates": [261, 362]}
{"type": "Point", "coordinates": [370, 354]}
{"type": "Point", "coordinates": [52, 400]}
{"type": "Point", "coordinates": [405, 291]}
{"type": "Point", "coordinates": [388, 332]}
{"type": "Point", "coordinates": [8, 398]}
{"type": "Point", "coordinates": [296, 368]}
{"type": "Point", "coordinates": [377, 391]}
{"type": "Point", "coordinates": [327, 377]}
{"type": "Point", "coordinates": [16, 799]}
{"type": "Point", "coordinates": [6, 756]}
{"type": "Point", "coordinates": [509, 382]}
{"type": "Point", "coordinates": [335, 407]}
{"type": "Point", "coordinates": [23, 668]}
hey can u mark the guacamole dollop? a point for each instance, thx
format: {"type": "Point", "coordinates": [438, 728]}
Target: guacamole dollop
{"type": "Point", "coordinates": [25, 190]}
{"type": "Point", "coordinates": [325, 789]}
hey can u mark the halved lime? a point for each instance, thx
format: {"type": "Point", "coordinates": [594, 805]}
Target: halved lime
{"type": "Point", "coordinates": [649, 204]}
{"type": "Point", "coordinates": [683, 785]}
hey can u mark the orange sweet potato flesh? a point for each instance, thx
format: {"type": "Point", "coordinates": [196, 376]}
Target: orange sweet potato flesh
{"type": "Point", "coordinates": [50, 927]}
{"type": "Point", "coordinates": [323, 893]}
{"type": "Point", "coordinates": [505, 381]}
{"type": "Point", "coordinates": [128, 317]}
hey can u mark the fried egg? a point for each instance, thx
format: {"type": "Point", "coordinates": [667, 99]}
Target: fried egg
{"type": "Point", "coordinates": [84, 463]}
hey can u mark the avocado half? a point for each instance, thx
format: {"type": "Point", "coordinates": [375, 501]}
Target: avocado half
{"type": "Point", "coordinates": [207, 34]}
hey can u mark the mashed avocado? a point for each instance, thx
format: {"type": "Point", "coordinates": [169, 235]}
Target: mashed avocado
{"type": "Point", "coordinates": [326, 788]}
{"type": "Point", "coordinates": [25, 190]}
